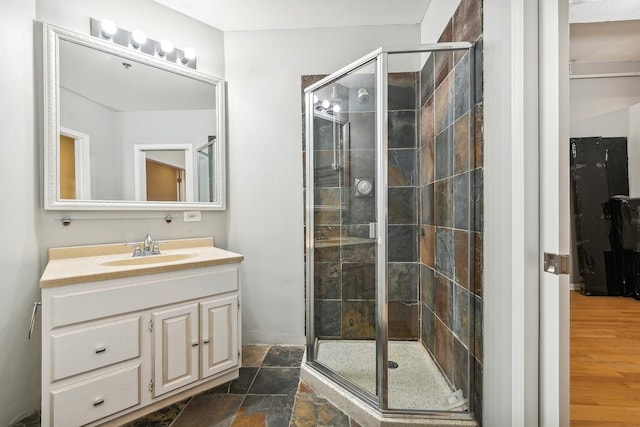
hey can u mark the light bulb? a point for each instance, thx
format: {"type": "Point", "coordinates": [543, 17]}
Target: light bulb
{"type": "Point", "coordinates": [139, 38]}
{"type": "Point", "coordinates": [326, 104]}
{"type": "Point", "coordinates": [108, 28]}
{"type": "Point", "coordinates": [189, 53]}
{"type": "Point", "coordinates": [165, 47]}
{"type": "Point", "coordinates": [336, 108]}
{"type": "Point", "coordinates": [315, 99]}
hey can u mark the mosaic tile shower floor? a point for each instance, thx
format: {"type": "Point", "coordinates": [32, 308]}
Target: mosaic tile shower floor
{"type": "Point", "coordinates": [267, 393]}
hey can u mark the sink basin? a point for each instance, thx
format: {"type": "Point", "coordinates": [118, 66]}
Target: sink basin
{"type": "Point", "coordinates": [151, 259]}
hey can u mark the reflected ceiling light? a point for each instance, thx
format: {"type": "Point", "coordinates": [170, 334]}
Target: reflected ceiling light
{"type": "Point", "coordinates": [336, 108]}
{"type": "Point", "coordinates": [326, 104]}
{"type": "Point", "coordinates": [189, 54]}
{"type": "Point", "coordinates": [315, 99]}
{"type": "Point", "coordinates": [165, 47]}
{"type": "Point", "coordinates": [138, 38]}
{"type": "Point", "coordinates": [108, 28]}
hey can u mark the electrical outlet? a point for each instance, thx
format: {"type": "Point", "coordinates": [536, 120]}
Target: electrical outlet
{"type": "Point", "coordinates": [192, 216]}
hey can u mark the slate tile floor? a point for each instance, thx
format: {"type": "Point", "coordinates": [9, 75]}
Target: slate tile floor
{"type": "Point", "coordinates": [267, 393]}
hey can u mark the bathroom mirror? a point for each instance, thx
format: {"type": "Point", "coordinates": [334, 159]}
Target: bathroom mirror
{"type": "Point", "coordinates": [125, 130]}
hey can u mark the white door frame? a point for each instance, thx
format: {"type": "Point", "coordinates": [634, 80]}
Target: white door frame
{"type": "Point", "coordinates": [140, 168]}
{"type": "Point", "coordinates": [524, 118]}
{"type": "Point", "coordinates": [82, 151]}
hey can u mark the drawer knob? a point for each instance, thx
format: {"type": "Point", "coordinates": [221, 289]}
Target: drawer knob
{"type": "Point", "coordinates": [195, 344]}
{"type": "Point", "coordinates": [101, 349]}
{"type": "Point", "coordinates": [98, 402]}
{"type": "Point", "coordinates": [205, 341]}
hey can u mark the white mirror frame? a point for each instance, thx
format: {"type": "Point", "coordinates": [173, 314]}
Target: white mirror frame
{"type": "Point", "coordinates": [51, 98]}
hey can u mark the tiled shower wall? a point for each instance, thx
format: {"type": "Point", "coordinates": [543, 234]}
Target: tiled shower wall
{"type": "Point", "coordinates": [450, 188]}
{"type": "Point", "coordinates": [344, 303]}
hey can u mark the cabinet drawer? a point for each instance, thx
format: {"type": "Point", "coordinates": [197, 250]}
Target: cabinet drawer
{"type": "Point", "coordinates": [82, 350]}
{"type": "Point", "coordinates": [96, 398]}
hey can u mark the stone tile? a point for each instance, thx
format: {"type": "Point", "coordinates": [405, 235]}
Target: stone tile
{"type": "Point", "coordinates": [402, 243]}
{"type": "Point", "coordinates": [462, 312]}
{"type": "Point", "coordinates": [402, 129]}
{"type": "Point", "coordinates": [467, 21]}
{"type": "Point", "coordinates": [272, 380]}
{"type": "Point", "coordinates": [327, 318]}
{"type": "Point", "coordinates": [444, 251]}
{"type": "Point", "coordinates": [443, 105]}
{"type": "Point", "coordinates": [328, 196]}
{"type": "Point", "coordinates": [427, 143]}
{"type": "Point", "coordinates": [427, 82]}
{"type": "Point", "coordinates": [359, 280]}
{"type": "Point", "coordinates": [242, 384]}
{"type": "Point", "coordinates": [267, 411]}
{"type": "Point", "coordinates": [354, 424]}
{"type": "Point", "coordinates": [428, 334]}
{"type": "Point", "coordinates": [162, 417]}
{"type": "Point", "coordinates": [362, 210]}
{"type": "Point", "coordinates": [478, 142]}
{"type": "Point", "coordinates": [32, 420]}
{"type": "Point", "coordinates": [461, 201]}
{"type": "Point", "coordinates": [326, 254]}
{"type": "Point", "coordinates": [209, 410]}
{"type": "Point", "coordinates": [427, 283]}
{"type": "Point", "coordinates": [477, 328]}
{"type": "Point", "coordinates": [427, 203]}
{"type": "Point", "coordinates": [476, 395]}
{"type": "Point", "coordinates": [312, 410]}
{"type": "Point", "coordinates": [284, 355]}
{"type": "Point", "coordinates": [323, 134]}
{"type": "Point", "coordinates": [444, 154]}
{"type": "Point", "coordinates": [461, 145]}
{"type": "Point", "coordinates": [402, 91]}
{"type": "Point", "coordinates": [443, 207]}
{"type": "Point", "coordinates": [461, 254]}
{"type": "Point", "coordinates": [362, 164]}
{"type": "Point", "coordinates": [360, 253]}
{"type": "Point", "coordinates": [326, 217]}
{"type": "Point", "coordinates": [443, 300]}
{"type": "Point", "coordinates": [253, 355]}
{"type": "Point", "coordinates": [478, 73]}
{"type": "Point", "coordinates": [362, 130]}
{"type": "Point", "coordinates": [476, 278]}
{"type": "Point", "coordinates": [402, 167]}
{"type": "Point", "coordinates": [327, 280]}
{"type": "Point", "coordinates": [402, 205]}
{"type": "Point", "coordinates": [478, 199]}
{"type": "Point", "coordinates": [444, 348]}
{"type": "Point", "coordinates": [404, 320]}
{"type": "Point", "coordinates": [462, 88]}
{"type": "Point", "coordinates": [403, 281]}
{"type": "Point", "coordinates": [461, 369]}
{"type": "Point", "coordinates": [358, 319]}
{"type": "Point", "coordinates": [428, 245]}
{"type": "Point", "coordinates": [444, 60]}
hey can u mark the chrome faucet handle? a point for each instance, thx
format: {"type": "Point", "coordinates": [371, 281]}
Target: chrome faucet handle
{"type": "Point", "coordinates": [148, 241]}
{"type": "Point", "coordinates": [156, 250]}
{"type": "Point", "coordinates": [137, 251]}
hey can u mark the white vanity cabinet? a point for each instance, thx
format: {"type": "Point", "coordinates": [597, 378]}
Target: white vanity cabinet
{"type": "Point", "coordinates": [115, 349]}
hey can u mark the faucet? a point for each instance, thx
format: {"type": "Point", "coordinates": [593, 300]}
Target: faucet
{"type": "Point", "coordinates": [147, 247]}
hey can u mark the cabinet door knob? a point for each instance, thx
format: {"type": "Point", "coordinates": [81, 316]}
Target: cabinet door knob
{"type": "Point", "coordinates": [195, 344]}
{"type": "Point", "coordinates": [205, 341]}
{"type": "Point", "coordinates": [98, 402]}
{"type": "Point", "coordinates": [101, 349]}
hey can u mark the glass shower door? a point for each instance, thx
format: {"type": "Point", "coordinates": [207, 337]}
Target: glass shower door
{"type": "Point", "coordinates": [341, 251]}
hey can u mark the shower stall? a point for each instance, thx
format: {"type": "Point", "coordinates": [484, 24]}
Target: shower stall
{"type": "Point", "coordinates": [392, 185]}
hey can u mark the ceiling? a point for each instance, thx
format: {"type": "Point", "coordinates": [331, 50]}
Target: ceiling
{"type": "Point", "coordinates": [253, 15]}
{"type": "Point", "coordinates": [605, 42]}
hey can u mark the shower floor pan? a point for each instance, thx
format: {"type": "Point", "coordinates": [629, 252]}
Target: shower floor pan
{"type": "Point", "coordinates": [417, 382]}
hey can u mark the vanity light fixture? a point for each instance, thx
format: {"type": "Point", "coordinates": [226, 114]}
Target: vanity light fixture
{"type": "Point", "coordinates": [137, 40]}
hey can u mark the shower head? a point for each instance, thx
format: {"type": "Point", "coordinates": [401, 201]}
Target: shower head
{"type": "Point", "coordinates": [363, 95]}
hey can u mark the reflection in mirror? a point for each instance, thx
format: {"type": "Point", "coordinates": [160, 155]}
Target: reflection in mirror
{"type": "Point", "coordinates": [126, 124]}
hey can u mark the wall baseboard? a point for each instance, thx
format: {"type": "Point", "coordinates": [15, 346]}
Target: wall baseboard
{"type": "Point", "coordinates": [574, 286]}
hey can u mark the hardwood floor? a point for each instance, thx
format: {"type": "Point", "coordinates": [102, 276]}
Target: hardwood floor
{"type": "Point", "coordinates": [605, 361]}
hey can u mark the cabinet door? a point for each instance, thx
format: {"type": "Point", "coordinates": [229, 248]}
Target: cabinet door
{"type": "Point", "coordinates": [219, 332]}
{"type": "Point", "coordinates": [175, 345]}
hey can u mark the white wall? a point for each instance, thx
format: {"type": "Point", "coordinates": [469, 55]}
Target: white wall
{"type": "Point", "coordinates": [263, 72]}
{"type": "Point", "coordinates": [19, 254]}
{"type": "Point", "coordinates": [83, 115]}
{"type": "Point", "coordinates": [600, 107]}
{"type": "Point", "coordinates": [633, 150]}
{"type": "Point", "coordinates": [161, 127]}
{"type": "Point", "coordinates": [436, 19]}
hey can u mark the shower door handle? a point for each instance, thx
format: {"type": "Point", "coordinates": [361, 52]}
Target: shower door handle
{"type": "Point", "coordinates": [373, 230]}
